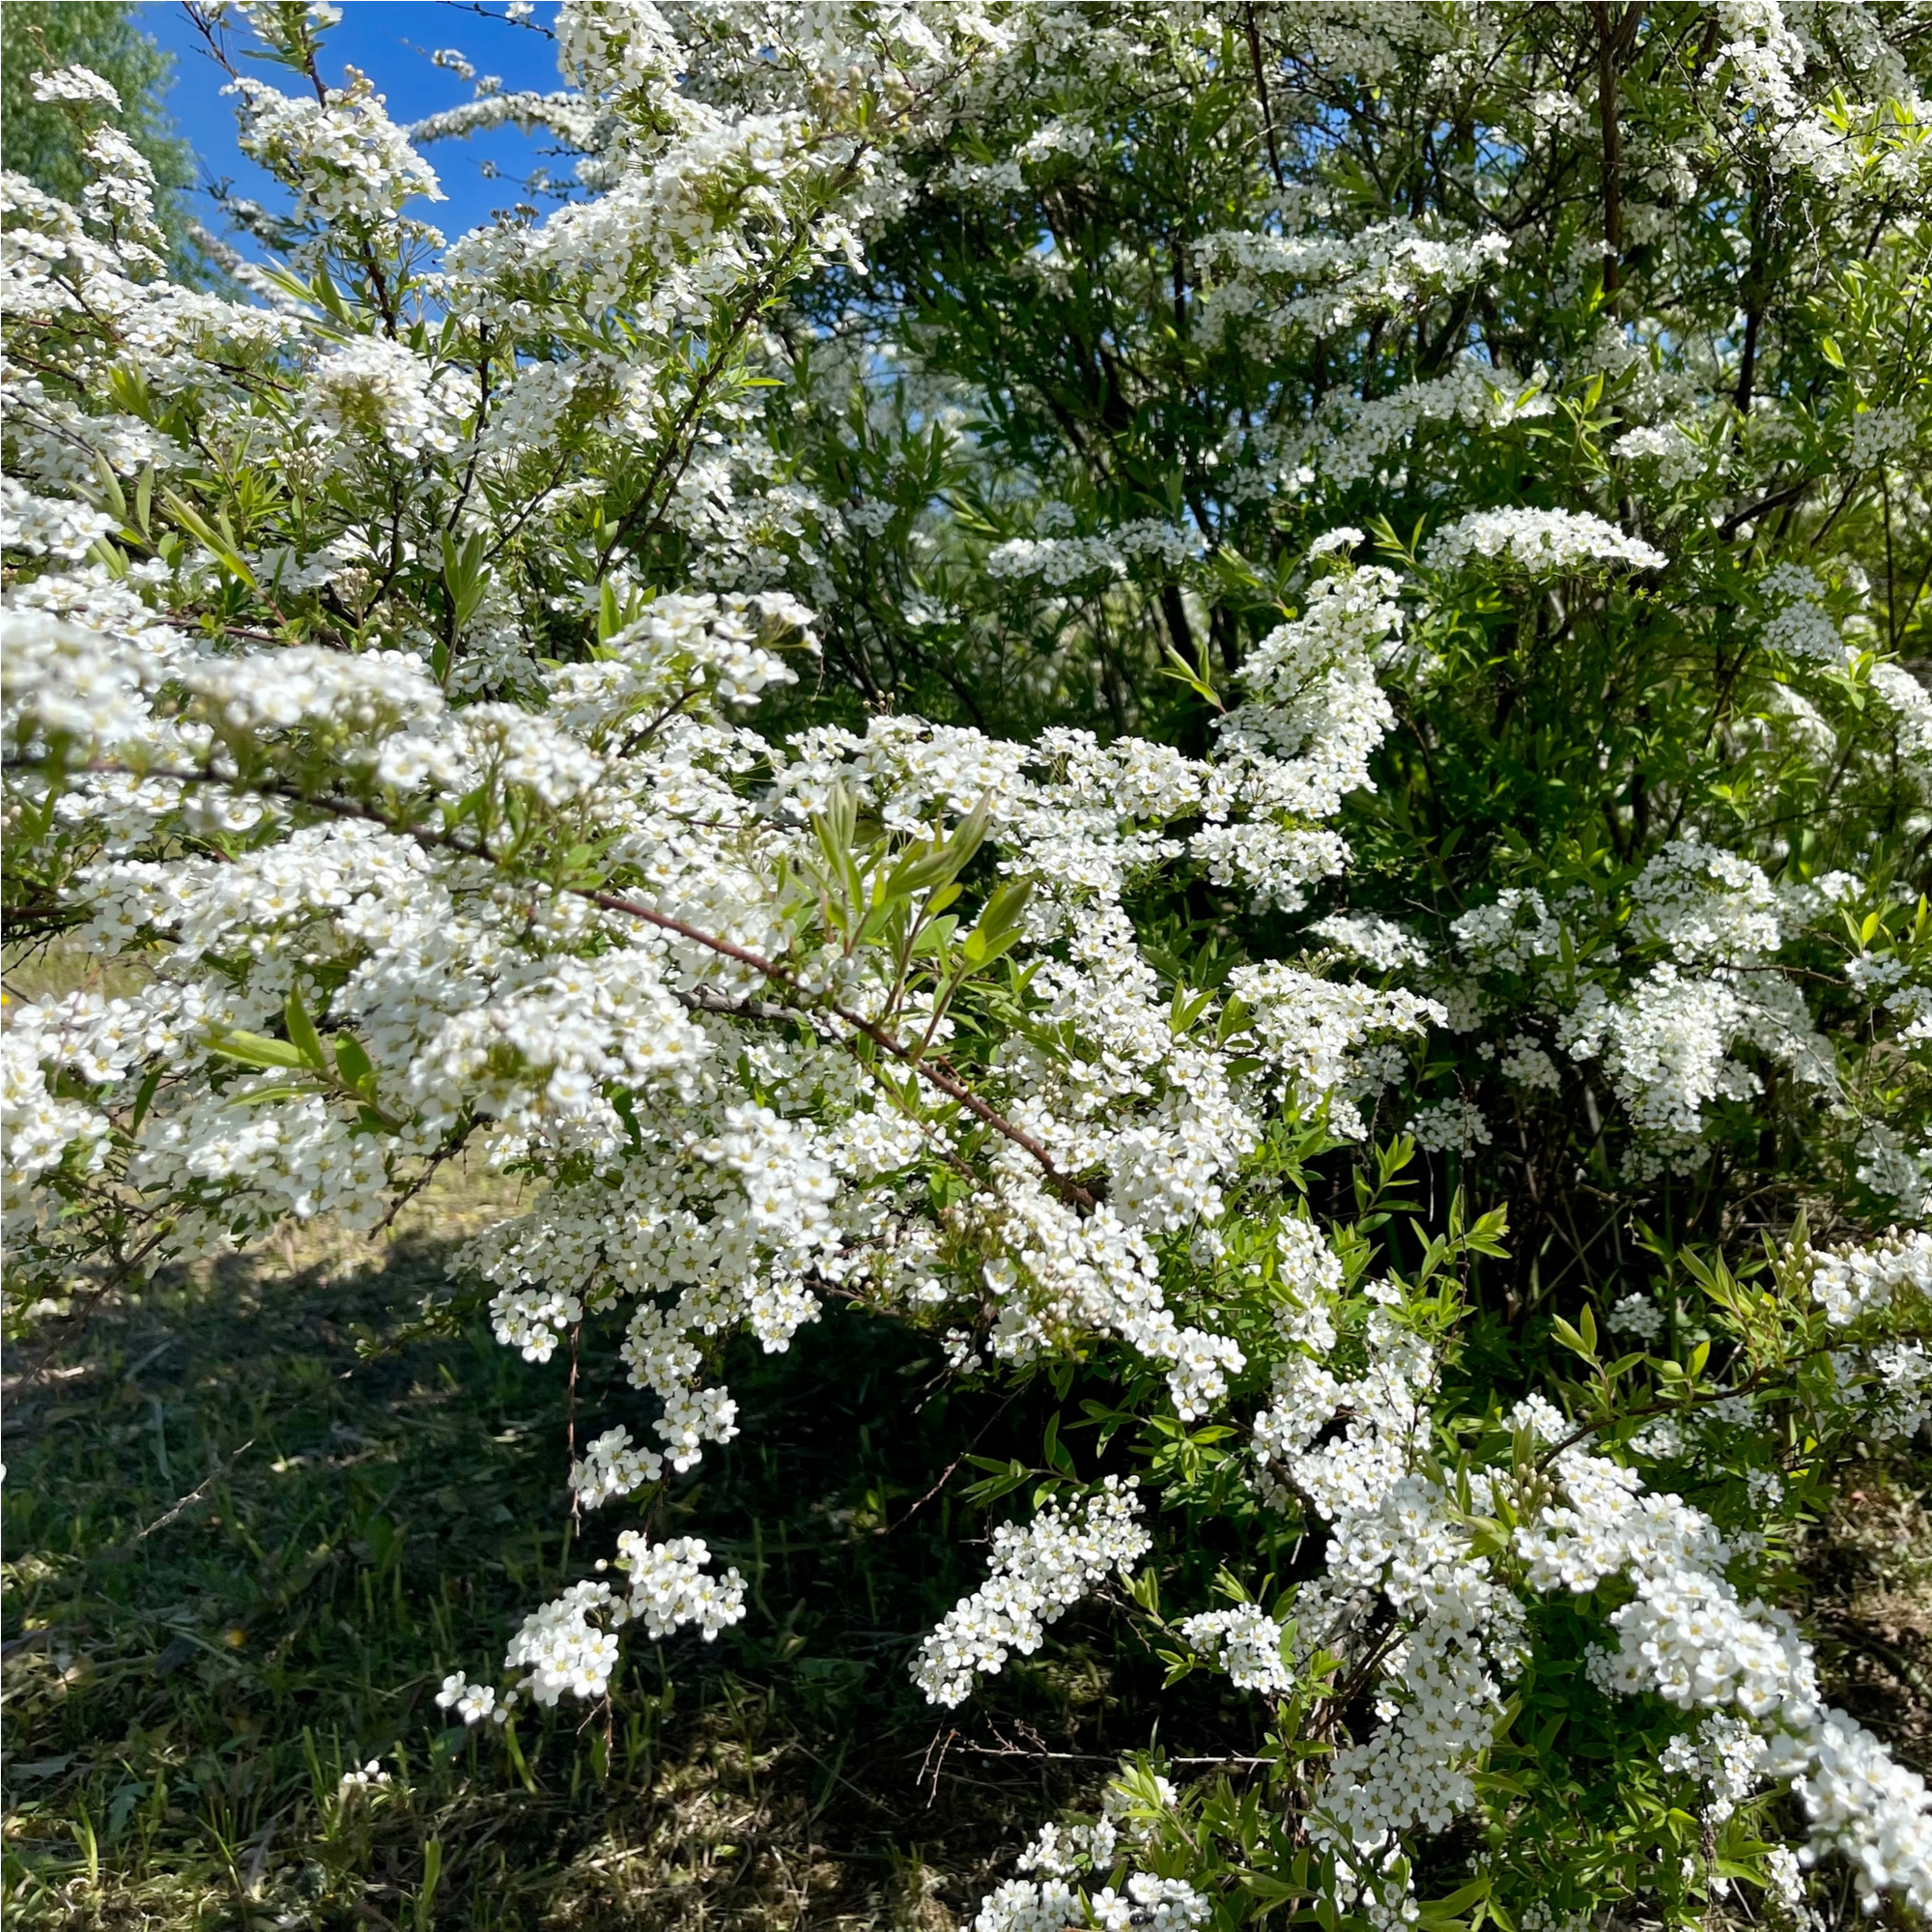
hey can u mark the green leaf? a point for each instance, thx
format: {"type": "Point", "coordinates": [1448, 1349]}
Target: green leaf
{"type": "Point", "coordinates": [222, 544]}
{"type": "Point", "coordinates": [835, 829]}
{"type": "Point", "coordinates": [939, 864]}
{"type": "Point", "coordinates": [301, 1032]}
{"type": "Point", "coordinates": [998, 928]}
{"type": "Point", "coordinates": [330, 299]}
{"type": "Point", "coordinates": [1570, 1338]}
{"type": "Point", "coordinates": [463, 578]}
{"type": "Point", "coordinates": [1264, 1886]}
{"type": "Point", "coordinates": [353, 1063]}
{"type": "Point", "coordinates": [256, 1050]}
{"type": "Point", "coordinates": [106, 492]}
{"type": "Point", "coordinates": [1182, 672]}
{"type": "Point", "coordinates": [1488, 1538]}
{"type": "Point", "coordinates": [1472, 1893]}
{"type": "Point", "coordinates": [264, 1097]}
{"type": "Point", "coordinates": [1055, 1455]}
{"type": "Point", "coordinates": [625, 1105]}
{"type": "Point", "coordinates": [425, 1897]}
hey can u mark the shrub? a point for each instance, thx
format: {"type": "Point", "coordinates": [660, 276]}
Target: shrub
{"type": "Point", "coordinates": [1429, 495]}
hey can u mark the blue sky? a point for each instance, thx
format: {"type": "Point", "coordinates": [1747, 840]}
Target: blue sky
{"type": "Point", "coordinates": [391, 40]}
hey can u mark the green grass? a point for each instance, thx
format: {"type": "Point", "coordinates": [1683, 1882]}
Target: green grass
{"type": "Point", "coordinates": [372, 1503]}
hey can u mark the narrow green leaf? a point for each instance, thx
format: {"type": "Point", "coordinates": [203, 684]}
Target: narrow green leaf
{"type": "Point", "coordinates": [256, 1050]}
{"type": "Point", "coordinates": [353, 1063]}
{"type": "Point", "coordinates": [301, 1032]}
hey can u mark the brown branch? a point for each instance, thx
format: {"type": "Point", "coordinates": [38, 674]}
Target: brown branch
{"type": "Point", "coordinates": [953, 1466]}
{"type": "Point", "coordinates": [935, 1073]}
{"type": "Point", "coordinates": [1262, 89]}
{"type": "Point", "coordinates": [452, 1144]}
{"type": "Point", "coordinates": [122, 1551]}
{"type": "Point", "coordinates": [1607, 117]}
{"type": "Point", "coordinates": [1736, 521]}
{"type": "Point", "coordinates": [1754, 297]}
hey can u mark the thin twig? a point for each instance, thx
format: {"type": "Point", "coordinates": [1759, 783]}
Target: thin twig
{"type": "Point", "coordinates": [1262, 89]}
{"type": "Point", "coordinates": [125, 1550]}
{"type": "Point", "coordinates": [952, 1466]}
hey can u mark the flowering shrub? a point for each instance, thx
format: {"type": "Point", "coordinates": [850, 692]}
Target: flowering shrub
{"type": "Point", "coordinates": [1425, 497]}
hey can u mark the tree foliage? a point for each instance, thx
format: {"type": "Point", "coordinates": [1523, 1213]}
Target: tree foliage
{"type": "Point", "coordinates": [42, 140]}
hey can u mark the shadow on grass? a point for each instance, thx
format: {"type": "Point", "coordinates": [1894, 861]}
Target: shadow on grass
{"type": "Point", "coordinates": [370, 1504]}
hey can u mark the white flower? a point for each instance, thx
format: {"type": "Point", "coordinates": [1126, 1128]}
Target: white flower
{"type": "Point", "coordinates": [1706, 905]}
{"type": "Point", "coordinates": [1344, 536]}
{"type": "Point", "coordinates": [367, 1777]}
{"type": "Point", "coordinates": [384, 390]}
{"type": "Point", "coordinates": [351, 159]}
{"type": "Point", "coordinates": [1798, 625]}
{"type": "Point", "coordinates": [1546, 543]}
{"type": "Point", "coordinates": [385, 657]}
{"type": "Point", "coordinates": [1516, 934]}
{"type": "Point", "coordinates": [471, 1702]}
{"type": "Point", "coordinates": [1850, 1282]}
{"type": "Point", "coordinates": [1450, 1126]}
{"type": "Point", "coordinates": [612, 1467]}
{"type": "Point", "coordinates": [47, 525]}
{"type": "Point", "coordinates": [1039, 1573]}
{"type": "Point", "coordinates": [80, 84]}
{"type": "Point", "coordinates": [1527, 1065]}
{"type": "Point", "coordinates": [1247, 1644]}
{"type": "Point", "coordinates": [1677, 456]}
{"type": "Point", "coordinates": [1379, 943]}
{"type": "Point", "coordinates": [1638, 1315]}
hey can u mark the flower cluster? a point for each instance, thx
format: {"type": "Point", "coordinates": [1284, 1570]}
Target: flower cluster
{"type": "Point", "coordinates": [571, 1643]}
{"type": "Point", "coordinates": [1854, 1281]}
{"type": "Point", "coordinates": [1542, 543]}
{"type": "Point", "coordinates": [1247, 1644]}
{"type": "Point", "coordinates": [1160, 1904]}
{"type": "Point", "coordinates": [1688, 1638]}
{"type": "Point", "coordinates": [1039, 1573]}
{"type": "Point", "coordinates": [612, 1466]}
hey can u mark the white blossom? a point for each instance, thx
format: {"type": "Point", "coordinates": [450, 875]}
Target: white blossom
{"type": "Point", "coordinates": [1247, 1644]}
{"type": "Point", "coordinates": [1541, 542]}
{"type": "Point", "coordinates": [1039, 1573]}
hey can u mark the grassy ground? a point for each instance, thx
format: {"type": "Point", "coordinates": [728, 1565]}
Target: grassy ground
{"type": "Point", "coordinates": [255, 1514]}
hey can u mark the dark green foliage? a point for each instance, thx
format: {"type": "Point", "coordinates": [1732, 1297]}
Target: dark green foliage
{"type": "Point", "coordinates": [40, 138]}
